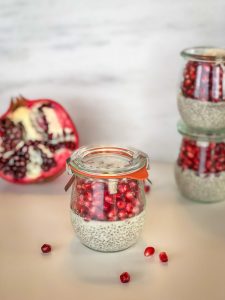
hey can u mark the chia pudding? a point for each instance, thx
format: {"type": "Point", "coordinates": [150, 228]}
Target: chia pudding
{"type": "Point", "coordinates": [201, 99]}
{"type": "Point", "coordinates": [200, 167]}
{"type": "Point", "coordinates": [108, 236]}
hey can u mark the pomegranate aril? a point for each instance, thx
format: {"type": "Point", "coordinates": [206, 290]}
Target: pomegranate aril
{"type": "Point", "coordinates": [147, 188]}
{"type": "Point", "coordinates": [149, 251]}
{"type": "Point", "coordinates": [122, 214]}
{"type": "Point", "coordinates": [46, 248]}
{"type": "Point", "coordinates": [163, 257]}
{"type": "Point", "coordinates": [130, 196]}
{"type": "Point", "coordinates": [121, 204]}
{"type": "Point", "coordinates": [129, 207]}
{"type": "Point", "coordinates": [123, 188]}
{"type": "Point", "coordinates": [125, 277]}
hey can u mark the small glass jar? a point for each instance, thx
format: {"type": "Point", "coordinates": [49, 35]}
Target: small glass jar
{"type": "Point", "coordinates": [201, 97]}
{"type": "Point", "coordinates": [200, 167]}
{"type": "Point", "coordinates": [108, 200]}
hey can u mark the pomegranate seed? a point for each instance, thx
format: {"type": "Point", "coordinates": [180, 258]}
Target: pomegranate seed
{"type": "Point", "coordinates": [121, 204]}
{"type": "Point", "coordinates": [129, 207]}
{"type": "Point", "coordinates": [149, 251]}
{"type": "Point", "coordinates": [147, 188]}
{"type": "Point", "coordinates": [163, 257]}
{"type": "Point", "coordinates": [109, 199]}
{"type": "Point", "coordinates": [122, 188]}
{"type": "Point", "coordinates": [46, 248]}
{"type": "Point", "coordinates": [125, 277]}
{"type": "Point", "coordinates": [122, 214]}
{"type": "Point", "coordinates": [129, 196]}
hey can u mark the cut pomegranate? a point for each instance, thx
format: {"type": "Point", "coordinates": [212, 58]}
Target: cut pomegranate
{"type": "Point", "coordinates": [163, 257]}
{"type": "Point", "coordinates": [46, 248]}
{"type": "Point", "coordinates": [206, 159]}
{"type": "Point", "coordinates": [149, 251]}
{"type": "Point", "coordinates": [93, 200]}
{"type": "Point", "coordinates": [36, 138]}
{"type": "Point", "coordinates": [125, 277]}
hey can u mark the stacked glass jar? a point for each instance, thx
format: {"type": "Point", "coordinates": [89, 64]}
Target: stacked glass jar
{"type": "Point", "coordinates": [200, 168]}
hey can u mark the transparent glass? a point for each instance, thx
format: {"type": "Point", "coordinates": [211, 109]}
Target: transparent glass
{"type": "Point", "coordinates": [200, 167]}
{"type": "Point", "coordinates": [107, 213]}
{"type": "Point", "coordinates": [201, 97]}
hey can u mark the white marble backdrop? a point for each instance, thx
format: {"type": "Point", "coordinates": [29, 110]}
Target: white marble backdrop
{"type": "Point", "coordinates": [113, 63]}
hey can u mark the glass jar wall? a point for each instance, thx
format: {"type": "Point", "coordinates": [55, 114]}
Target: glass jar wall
{"type": "Point", "coordinates": [200, 167]}
{"type": "Point", "coordinates": [201, 97]}
{"type": "Point", "coordinates": [108, 199]}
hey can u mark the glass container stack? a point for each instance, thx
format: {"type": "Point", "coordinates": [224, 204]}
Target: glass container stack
{"type": "Point", "coordinates": [200, 167]}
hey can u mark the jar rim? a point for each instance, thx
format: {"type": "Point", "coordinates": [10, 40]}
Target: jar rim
{"type": "Point", "coordinates": [204, 54]}
{"type": "Point", "coordinates": [104, 161]}
{"type": "Point", "coordinates": [200, 134]}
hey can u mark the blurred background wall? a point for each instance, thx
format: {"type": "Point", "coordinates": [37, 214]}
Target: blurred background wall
{"type": "Point", "coordinates": [114, 64]}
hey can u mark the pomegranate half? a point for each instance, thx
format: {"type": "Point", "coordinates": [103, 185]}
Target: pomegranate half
{"type": "Point", "coordinates": [36, 138]}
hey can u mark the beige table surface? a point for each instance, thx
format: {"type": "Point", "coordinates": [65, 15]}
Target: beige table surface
{"type": "Point", "coordinates": [193, 235]}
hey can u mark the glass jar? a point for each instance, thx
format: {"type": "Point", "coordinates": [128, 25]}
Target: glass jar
{"type": "Point", "coordinates": [201, 98]}
{"type": "Point", "coordinates": [200, 167]}
{"type": "Point", "coordinates": [108, 200]}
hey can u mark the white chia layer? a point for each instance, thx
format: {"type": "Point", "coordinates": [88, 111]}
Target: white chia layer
{"type": "Point", "coordinates": [200, 188]}
{"type": "Point", "coordinates": [108, 236]}
{"type": "Point", "coordinates": [202, 114]}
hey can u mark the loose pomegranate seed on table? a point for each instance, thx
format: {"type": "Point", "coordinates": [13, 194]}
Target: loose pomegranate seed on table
{"type": "Point", "coordinates": [163, 257]}
{"type": "Point", "coordinates": [125, 277]}
{"type": "Point", "coordinates": [46, 248]}
{"type": "Point", "coordinates": [149, 251]}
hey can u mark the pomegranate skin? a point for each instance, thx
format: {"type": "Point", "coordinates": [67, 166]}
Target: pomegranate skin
{"type": "Point", "coordinates": [52, 166]}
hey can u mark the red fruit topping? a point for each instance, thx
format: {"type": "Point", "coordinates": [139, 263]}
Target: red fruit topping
{"type": "Point", "coordinates": [205, 159]}
{"type": "Point", "coordinates": [125, 277]}
{"type": "Point", "coordinates": [149, 251]}
{"type": "Point", "coordinates": [130, 196]}
{"type": "Point", "coordinates": [122, 214]}
{"type": "Point", "coordinates": [46, 248]}
{"type": "Point", "coordinates": [37, 136]}
{"type": "Point", "coordinates": [147, 188]}
{"type": "Point", "coordinates": [163, 257]}
{"type": "Point", "coordinates": [93, 201]}
{"type": "Point", "coordinates": [203, 81]}
{"type": "Point", "coordinates": [121, 204]}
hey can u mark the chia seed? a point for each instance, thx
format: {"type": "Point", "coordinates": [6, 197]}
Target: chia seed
{"type": "Point", "coordinates": [202, 114]}
{"type": "Point", "coordinates": [202, 188]}
{"type": "Point", "coordinates": [108, 236]}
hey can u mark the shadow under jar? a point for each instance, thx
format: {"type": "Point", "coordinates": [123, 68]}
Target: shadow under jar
{"type": "Point", "coordinates": [200, 167]}
{"type": "Point", "coordinates": [201, 98]}
{"type": "Point", "coordinates": [108, 199]}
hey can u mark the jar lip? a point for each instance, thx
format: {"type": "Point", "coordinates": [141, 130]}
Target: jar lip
{"type": "Point", "coordinates": [105, 161]}
{"type": "Point", "coordinates": [204, 54]}
{"type": "Point", "coordinates": [200, 134]}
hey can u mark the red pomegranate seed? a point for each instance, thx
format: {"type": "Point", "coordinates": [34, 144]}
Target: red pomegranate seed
{"type": "Point", "coordinates": [149, 251]}
{"type": "Point", "coordinates": [147, 188]}
{"type": "Point", "coordinates": [129, 207]}
{"type": "Point", "coordinates": [121, 204]}
{"type": "Point", "coordinates": [125, 277]}
{"type": "Point", "coordinates": [163, 257]}
{"type": "Point", "coordinates": [129, 196]}
{"type": "Point", "coordinates": [122, 214]}
{"type": "Point", "coordinates": [46, 248]}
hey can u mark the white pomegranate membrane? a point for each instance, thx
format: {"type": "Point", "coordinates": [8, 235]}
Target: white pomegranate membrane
{"type": "Point", "coordinates": [36, 138]}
